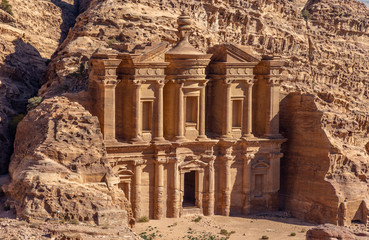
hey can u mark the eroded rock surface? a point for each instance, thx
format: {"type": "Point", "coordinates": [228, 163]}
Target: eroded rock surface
{"type": "Point", "coordinates": [325, 58]}
{"type": "Point", "coordinates": [325, 54]}
{"type": "Point", "coordinates": [27, 41]}
{"type": "Point", "coordinates": [58, 169]}
{"type": "Point", "coordinates": [329, 231]}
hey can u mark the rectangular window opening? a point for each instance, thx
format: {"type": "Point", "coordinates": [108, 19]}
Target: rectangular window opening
{"type": "Point", "coordinates": [191, 110]}
{"type": "Point", "coordinates": [236, 113]}
{"type": "Point", "coordinates": [147, 115]}
{"type": "Point", "coordinates": [259, 185]}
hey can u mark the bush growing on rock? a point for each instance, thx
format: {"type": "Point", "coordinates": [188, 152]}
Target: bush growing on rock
{"type": "Point", "coordinates": [5, 5]}
{"type": "Point", "coordinates": [33, 103]}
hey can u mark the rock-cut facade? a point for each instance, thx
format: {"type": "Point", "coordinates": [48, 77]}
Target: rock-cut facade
{"type": "Point", "coordinates": [191, 132]}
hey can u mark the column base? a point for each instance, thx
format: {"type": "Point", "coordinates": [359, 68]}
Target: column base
{"type": "Point", "coordinates": [227, 137]}
{"type": "Point", "coordinates": [249, 135]}
{"type": "Point", "coordinates": [181, 139]}
{"type": "Point", "coordinates": [202, 138]}
{"type": "Point", "coordinates": [110, 141]}
{"type": "Point", "coordinates": [159, 140]}
{"type": "Point", "coordinates": [137, 140]}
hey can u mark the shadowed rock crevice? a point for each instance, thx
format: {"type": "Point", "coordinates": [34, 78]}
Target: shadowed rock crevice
{"type": "Point", "coordinates": [20, 78]}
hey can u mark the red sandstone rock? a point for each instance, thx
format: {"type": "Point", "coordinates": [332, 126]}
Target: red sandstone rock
{"type": "Point", "coordinates": [58, 169]}
{"type": "Point", "coordinates": [329, 232]}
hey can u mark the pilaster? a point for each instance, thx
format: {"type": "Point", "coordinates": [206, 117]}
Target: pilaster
{"type": "Point", "coordinates": [180, 121]}
{"type": "Point", "coordinates": [137, 188]}
{"type": "Point", "coordinates": [202, 135]}
{"type": "Point", "coordinates": [137, 139]}
{"type": "Point", "coordinates": [246, 182]}
{"type": "Point", "coordinates": [104, 74]}
{"type": "Point", "coordinates": [159, 131]}
{"type": "Point", "coordinates": [247, 113]}
{"type": "Point", "coordinates": [160, 160]}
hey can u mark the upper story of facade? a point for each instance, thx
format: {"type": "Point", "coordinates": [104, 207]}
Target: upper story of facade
{"type": "Point", "coordinates": [179, 94]}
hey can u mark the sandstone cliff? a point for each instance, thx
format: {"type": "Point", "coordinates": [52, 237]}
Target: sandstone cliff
{"type": "Point", "coordinates": [325, 50]}
{"type": "Point", "coordinates": [58, 169]}
{"type": "Point", "coordinates": [27, 41]}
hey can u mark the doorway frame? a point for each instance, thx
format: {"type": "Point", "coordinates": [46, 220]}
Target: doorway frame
{"type": "Point", "coordinates": [199, 168]}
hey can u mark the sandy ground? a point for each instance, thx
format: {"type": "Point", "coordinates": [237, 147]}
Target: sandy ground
{"type": "Point", "coordinates": [276, 226]}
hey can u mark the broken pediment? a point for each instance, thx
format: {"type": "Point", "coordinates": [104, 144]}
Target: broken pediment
{"type": "Point", "coordinates": [153, 54]}
{"type": "Point", "coordinates": [260, 165]}
{"type": "Point", "coordinates": [193, 164]}
{"type": "Point", "coordinates": [230, 53]}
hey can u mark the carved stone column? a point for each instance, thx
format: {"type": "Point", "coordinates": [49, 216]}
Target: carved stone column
{"type": "Point", "coordinates": [159, 132]}
{"type": "Point", "coordinates": [159, 186]}
{"type": "Point", "coordinates": [200, 187]}
{"type": "Point", "coordinates": [228, 111]}
{"type": "Point", "coordinates": [210, 209]}
{"type": "Point", "coordinates": [137, 189]}
{"type": "Point", "coordinates": [180, 127]}
{"type": "Point", "coordinates": [246, 182]}
{"type": "Point", "coordinates": [272, 124]}
{"type": "Point", "coordinates": [138, 112]}
{"type": "Point", "coordinates": [247, 113]}
{"type": "Point", "coordinates": [176, 191]}
{"type": "Point", "coordinates": [104, 73]}
{"type": "Point", "coordinates": [202, 135]}
{"type": "Point", "coordinates": [227, 161]}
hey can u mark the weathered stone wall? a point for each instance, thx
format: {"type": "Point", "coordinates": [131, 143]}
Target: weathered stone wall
{"type": "Point", "coordinates": [319, 171]}
{"type": "Point", "coordinates": [304, 190]}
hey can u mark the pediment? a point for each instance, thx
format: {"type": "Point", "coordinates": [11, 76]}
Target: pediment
{"type": "Point", "coordinates": [260, 165]}
{"type": "Point", "coordinates": [193, 164]}
{"type": "Point", "coordinates": [153, 54]}
{"type": "Point", "coordinates": [231, 53]}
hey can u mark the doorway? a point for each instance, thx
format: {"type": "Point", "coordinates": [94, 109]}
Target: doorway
{"type": "Point", "coordinates": [189, 197]}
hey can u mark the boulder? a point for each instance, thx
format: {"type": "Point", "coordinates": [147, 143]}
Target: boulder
{"type": "Point", "coordinates": [59, 170]}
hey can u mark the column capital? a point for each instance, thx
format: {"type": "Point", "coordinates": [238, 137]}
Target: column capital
{"type": "Point", "coordinates": [179, 82]}
{"type": "Point", "coordinates": [270, 79]}
{"type": "Point", "coordinates": [138, 82]}
{"type": "Point", "coordinates": [249, 156]}
{"type": "Point", "coordinates": [250, 81]}
{"type": "Point", "coordinates": [228, 81]}
{"type": "Point", "coordinates": [273, 155]}
{"type": "Point", "coordinates": [161, 160]}
{"type": "Point", "coordinates": [203, 83]}
{"type": "Point", "coordinates": [139, 162]}
{"type": "Point", "coordinates": [161, 82]}
{"type": "Point", "coordinates": [107, 81]}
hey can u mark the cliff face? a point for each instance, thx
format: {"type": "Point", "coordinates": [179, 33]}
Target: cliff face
{"type": "Point", "coordinates": [325, 51]}
{"type": "Point", "coordinates": [27, 41]}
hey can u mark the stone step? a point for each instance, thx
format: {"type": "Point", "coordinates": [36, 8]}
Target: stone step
{"type": "Point", "coordinates": [188, 211]}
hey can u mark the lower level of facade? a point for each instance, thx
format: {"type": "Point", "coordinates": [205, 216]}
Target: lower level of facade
{"type": "Point", "coordinates": [225, 176]}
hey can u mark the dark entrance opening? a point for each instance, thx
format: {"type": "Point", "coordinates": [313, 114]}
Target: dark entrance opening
{"type": "Point", "coordinates": [189, 199]}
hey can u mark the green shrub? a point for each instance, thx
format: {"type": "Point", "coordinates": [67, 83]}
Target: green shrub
{"type": "Point", "coordinates": [306, 15]}
{"type": "Point", "coordinates": [198, 219]}
{"type": "Point", "coordinates": [33, 103]}
{"type": "Point", "coordinates": [74, 221]}
{"type": "Point", "coordinates": [112, 41]}
{"type": "Point", "coordinates": [5, 5]}
{"type": "Point", "coordinates": [264, 237]}
{"type": "Point", "coordinates": [226, 233]}
{"type": "Point", "coordinates": [293, 234]}
{"type": "Point", "coordinates": [143, 219]}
